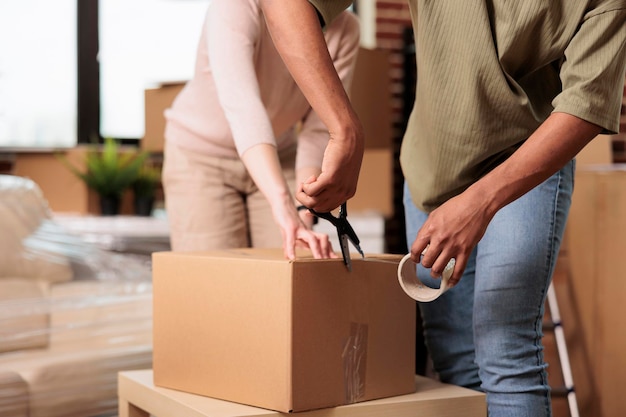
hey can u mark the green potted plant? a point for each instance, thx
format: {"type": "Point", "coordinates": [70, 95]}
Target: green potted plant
{"type": "Point", "coordinates": [144, 188]}
{"type": "Point", "coordinates": [109, 172]}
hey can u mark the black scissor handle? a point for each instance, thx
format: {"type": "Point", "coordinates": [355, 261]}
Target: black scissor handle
{"type": "Point", "coordinates": [343, 226]}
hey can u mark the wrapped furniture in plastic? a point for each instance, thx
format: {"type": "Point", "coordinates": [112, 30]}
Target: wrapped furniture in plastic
{"type": "Point", "coordinates": [71, 314]}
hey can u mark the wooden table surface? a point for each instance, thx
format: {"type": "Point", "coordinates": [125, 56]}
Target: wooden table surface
{"type": "Point", "coordinates": [138, 397]}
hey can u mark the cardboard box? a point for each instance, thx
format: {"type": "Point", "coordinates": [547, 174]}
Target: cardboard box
{"type": "Point", "coordinates": [596, 243]}
{"type": "Point", "coordinates": [370, 95]}
{"type": "Point", "coordinates": [250, 327]}
{"type": "Point", "coordinates": [374, 192]}
{"type": "Point", "coordinates": [598, 151]}
{"type": "Point", "coordinates": [156, 101]}
{"type": "Point", "coordinates": [64, 191]}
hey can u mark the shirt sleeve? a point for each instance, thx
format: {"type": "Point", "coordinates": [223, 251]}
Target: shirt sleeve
{"type": "Point", "coordinates": [232, 32]}
{"type": "Point", "coordinates": [343, 42]}
{"type": "Point", "coordinates": [329, 9]}
{"type": "Point", "coordinates": [592, 73]}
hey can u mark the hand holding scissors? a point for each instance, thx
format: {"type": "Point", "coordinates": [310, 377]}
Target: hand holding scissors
{"type": "Point", "coordinates": [345, 232]}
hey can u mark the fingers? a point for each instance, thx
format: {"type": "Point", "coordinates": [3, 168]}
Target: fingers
{"type": "Point", "coordinates": [289, 245]}
{"type": "Point", "coordinates": [313, 196]}
{"type": "Point", "coordinates": [322, 195]}
{"type": "Point", "coordinates": [299, 234]}
{"type": "Point", "coordinates": [326, 246]}
{"type": "Point", "coordinates": [318, 243]}
{"type": "Point", "coordinates": [459, 268]}
{"type": "Point", "coordinates": [437, 259]}
{"type": "Point", "coordinates": [418, 249]}
{"type": "Point", "coordinates": [314, 245]}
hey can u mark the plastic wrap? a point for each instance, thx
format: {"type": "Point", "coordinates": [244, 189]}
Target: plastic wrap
{"type": "Point", "coordinates": [72, 315]}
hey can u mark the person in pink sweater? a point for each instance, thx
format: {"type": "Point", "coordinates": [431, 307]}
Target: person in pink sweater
{"type": "Point", "coordinates": [241, 135]}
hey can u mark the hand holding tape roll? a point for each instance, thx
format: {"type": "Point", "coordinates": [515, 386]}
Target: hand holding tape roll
{"type": "Point", "coordinates": [416, 289]}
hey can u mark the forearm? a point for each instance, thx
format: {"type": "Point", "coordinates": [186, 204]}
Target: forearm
{"type": "Point", "coordinates": [547, 150]}
{"type": "Point", "coordinates": [454, 229]}
{"type": "Point", "coordinates": [264, 167]}
{"type": "Point", "coordinates": [305, 53]}
{"type": "Point", "coordinates": [298, 37]}
{"type": "Point", "coordinates": [302, 176]}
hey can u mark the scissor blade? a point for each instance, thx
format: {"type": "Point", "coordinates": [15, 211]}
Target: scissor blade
{"type": "Point", "coordinates": [345, 251]}
{"type": "Point", "coordinates": [351, 234]}
{"type": "Point", "coordinates": [358, 248]}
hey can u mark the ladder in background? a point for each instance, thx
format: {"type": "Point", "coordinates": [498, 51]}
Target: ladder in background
{"type": "Point", "coordinates": [556, 326]}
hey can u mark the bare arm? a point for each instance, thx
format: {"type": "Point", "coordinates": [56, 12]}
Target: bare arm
{"type": "Point", "coordinates": [264, 167]}
{"type": "Point", "coordinates": [297, 34]}
{"type": "Point", "coordinates": [454, 229]}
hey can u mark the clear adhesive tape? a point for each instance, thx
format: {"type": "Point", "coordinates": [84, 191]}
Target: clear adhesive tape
{"type": "Point", "coordinates": [416, 289]}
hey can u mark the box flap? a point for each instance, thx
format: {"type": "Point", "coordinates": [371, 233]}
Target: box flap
{"type": "Point", "coordinates": [276, 254]}
{"type": "Point", "coordinates": [270, 254]}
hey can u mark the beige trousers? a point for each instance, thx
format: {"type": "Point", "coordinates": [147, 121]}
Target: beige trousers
{"type": "Point", "coordinates": [212, 203]}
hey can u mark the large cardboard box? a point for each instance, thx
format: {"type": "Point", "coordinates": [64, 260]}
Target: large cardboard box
{"type": "Point", "coordinates": [251, 327]}
{"type": "Point", "coordinates": [596, 290]}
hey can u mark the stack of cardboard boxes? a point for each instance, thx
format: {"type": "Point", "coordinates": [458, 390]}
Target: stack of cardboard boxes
{"type": "Point", "coordinates": [591, 290]}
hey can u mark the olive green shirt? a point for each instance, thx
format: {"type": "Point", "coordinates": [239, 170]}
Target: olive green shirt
{"type": "Point", "coordinates": [490, 72]}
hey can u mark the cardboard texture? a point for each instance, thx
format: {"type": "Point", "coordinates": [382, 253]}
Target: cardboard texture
{"type": "Point", "coordinates": [156, 101]}
{"type": "Point", "coordinates": [596, 238]}
{"type": "Point", "coordinates": [374, 191]}
{"type": "Point", "coordinates": [598, 151]}
{"type": "Point", "coordinates": [370, 95]}
{"type": "Point", "coordinates": [251, 327]}
{"type": "Point", "coordinates": [62, 189]}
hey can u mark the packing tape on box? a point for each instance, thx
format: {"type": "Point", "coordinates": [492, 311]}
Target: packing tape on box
{"type": "Point", "coordinates": [414, 287]}
{"type": "Point", "coordinates": [354, 357]}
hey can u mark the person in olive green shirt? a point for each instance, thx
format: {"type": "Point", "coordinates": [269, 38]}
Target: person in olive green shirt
{"type": "Point", "coordinates": [507, 94]}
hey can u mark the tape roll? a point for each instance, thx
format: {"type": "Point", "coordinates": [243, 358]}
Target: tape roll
{"type": "Point", "coordinates": [416, 289]}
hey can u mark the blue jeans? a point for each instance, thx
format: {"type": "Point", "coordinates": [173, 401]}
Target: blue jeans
{"type": "Point", "coordinates": [485, 333]}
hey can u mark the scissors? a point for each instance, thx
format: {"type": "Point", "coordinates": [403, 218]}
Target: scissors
{"type": "Point", "coordinates": [345, 232]}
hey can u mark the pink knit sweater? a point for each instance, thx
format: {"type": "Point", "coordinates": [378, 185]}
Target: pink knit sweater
{"type": "Point", "coordinates": [242, 94]}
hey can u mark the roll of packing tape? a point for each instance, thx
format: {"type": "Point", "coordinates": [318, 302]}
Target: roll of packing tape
{"type": "Point", "coordinates": [416, 289]}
